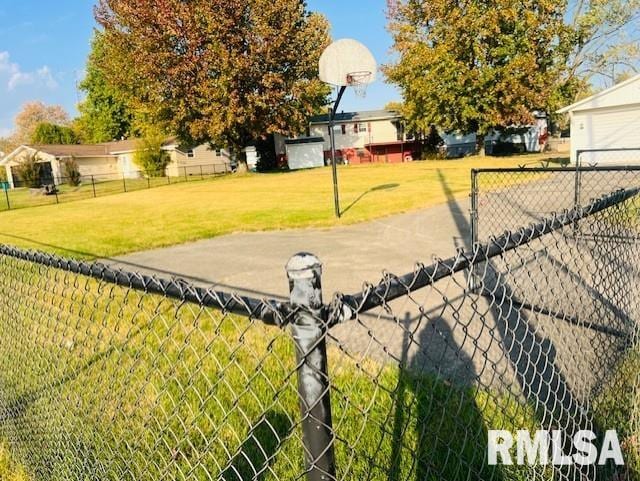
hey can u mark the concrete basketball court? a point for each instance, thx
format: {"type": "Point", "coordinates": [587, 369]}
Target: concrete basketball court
{"type": "Point", "coordinates": [253, 263]}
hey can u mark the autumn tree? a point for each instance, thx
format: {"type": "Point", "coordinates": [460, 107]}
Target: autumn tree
{"type": "Point", "coordinates": [220, 71]}
{"type": "Point", "coordinates": [476, 65]}
{"type": "Point", "coordinates": [7, 145]}
{"type": "Point", "coordinates": [104, 113]}
{"type": "Point", "coordinates": [34, 114]}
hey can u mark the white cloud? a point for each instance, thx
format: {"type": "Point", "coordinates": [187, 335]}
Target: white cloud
{"type": "Point", "coordinates": [17, 77]}
{"type": "Point", "coordinates": [44, 74]}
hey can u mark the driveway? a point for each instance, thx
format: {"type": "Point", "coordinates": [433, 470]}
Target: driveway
{"type": "Point", "coordinates": [253, 263]}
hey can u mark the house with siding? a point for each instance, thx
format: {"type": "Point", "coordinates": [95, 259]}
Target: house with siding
{"type": "Point", "coordinates": [113, 160]}
{"type": "Point", "coordinates": [606, 125]}
{"type": "Point", "coordinates": [380, 136]}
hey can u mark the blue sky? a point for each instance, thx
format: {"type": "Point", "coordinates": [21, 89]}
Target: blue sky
{"type": "Point", "coordinates": [44, 45]}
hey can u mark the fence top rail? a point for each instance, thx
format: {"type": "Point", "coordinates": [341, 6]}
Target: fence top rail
{"type": "Point", "coordinates": [270, 311]}
{"type": "Point", "coordinates": [348, 307]}
{"type": "Point", "coordinates": [613, 149]}
{"type": "Point", "coordinates": [571, 170]}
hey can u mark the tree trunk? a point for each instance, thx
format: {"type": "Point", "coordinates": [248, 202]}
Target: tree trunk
{"type": "Point", "coordinates": [480, 145]}
{"type": "Point", "coordinates": [241, 158]}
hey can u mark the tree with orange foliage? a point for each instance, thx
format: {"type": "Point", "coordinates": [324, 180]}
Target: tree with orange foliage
{"type": "Point", "coordinates": [221, 71]}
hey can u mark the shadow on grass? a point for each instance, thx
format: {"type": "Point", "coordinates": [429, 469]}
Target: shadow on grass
{"type": "Point", "coordinates": [452, 436]}
{"type": "Point", "coordinates": [253, 458]}
{"type": "Point", "coordinates": [365, 193]}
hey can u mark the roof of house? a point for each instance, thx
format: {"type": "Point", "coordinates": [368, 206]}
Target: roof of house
{"type": "Point", "coordinates": [364, 116]}
{"type": "Point", "coordinates": [105, 149]}
{"type": "Point", "coordinates": [89, 150]}
{"type": "Point", "coordinates": [604, 98]}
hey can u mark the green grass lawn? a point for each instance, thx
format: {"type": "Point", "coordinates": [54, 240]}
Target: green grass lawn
{"type": "Point", "coordinates": [118, 224]}
{"type": "Point", "coordinates": [9, 470]}
{"type": "Point", "coordinates": [104, 382]}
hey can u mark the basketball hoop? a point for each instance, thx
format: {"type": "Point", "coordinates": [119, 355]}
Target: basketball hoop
{"type": "Point", "coordinates": [345, 63]}
{"type": "Point", "coordinates": [359, 81]}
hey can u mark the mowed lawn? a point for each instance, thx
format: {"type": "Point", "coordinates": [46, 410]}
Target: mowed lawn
{"type": "Point", "coordinates": [163, 216]}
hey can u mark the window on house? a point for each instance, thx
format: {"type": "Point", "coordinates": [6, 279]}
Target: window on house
{"type": "Point", "coordinates": [218, 153]}
{"type": "Point", "coordinates": [344, 129]}
{"type": "Point", "coordinates": [355, 128]}
{"type": "Point", "coordinates": [190, 154]}
{"type": "Point", "coordinates": [362, 128]}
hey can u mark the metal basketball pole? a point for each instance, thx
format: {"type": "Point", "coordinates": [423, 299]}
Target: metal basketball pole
{"type": "Point", "coordinates": [332, 136]}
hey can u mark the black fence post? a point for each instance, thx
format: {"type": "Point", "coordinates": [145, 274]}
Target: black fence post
{"type": "Point", "coordinates": [93, 186]}
{"type": "Point", "coordinates": [186, 177]}
{"type": "Point", "coordinates": [577, 189]}
{"type": "Point", "coordinates": [309, 334]}
{"type": "Point", "coordinates": [474, 283]}
{"type": "Point", "coordinates": [148, 175]}
{"type": "Point", "coordinates": [577, 179]}
{"type": "Point", "coordinates": [6, 194]}
{"type": "Point", "coordinates": [201, 174]}
{"type": "Point", "coordinates": [124, 182]}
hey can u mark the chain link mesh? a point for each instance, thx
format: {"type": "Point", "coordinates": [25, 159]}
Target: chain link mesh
{"type": "Point", "coordinates": [110, 375]}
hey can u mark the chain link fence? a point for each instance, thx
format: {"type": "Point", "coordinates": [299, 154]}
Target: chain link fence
{"type": "Point", "coordinates": [107, 374]}
{"type": "Point", "coordinates": [69, 189]}
{"type": "Point", "coordinates": [505, 199]}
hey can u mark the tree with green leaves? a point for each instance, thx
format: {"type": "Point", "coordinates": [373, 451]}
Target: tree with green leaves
{"type": "Point", "coordinates": [225, 72]}
{"type": "Point", "coordinates": [477, 65]}
{"type": "Point", "coordinates": [48, 133]}
{"type": "Point", "coordinates": [149, 155]}
{"type": "Point", "coordinates": [104, 112]}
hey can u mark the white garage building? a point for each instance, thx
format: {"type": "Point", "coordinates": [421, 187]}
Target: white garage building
{"type": "Point", "coordinates": [305, 152]}
{"type": "Point", "coordinates": [607, 120]}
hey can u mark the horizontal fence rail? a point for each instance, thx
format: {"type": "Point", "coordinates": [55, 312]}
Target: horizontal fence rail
{"type": "Point", "coordinates": [107, 374]}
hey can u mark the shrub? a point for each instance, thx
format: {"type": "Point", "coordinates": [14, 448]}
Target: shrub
{"type": "Point", "coordinates": [29, 171]}
{"type": "Point", "coordinates": [71, 171]}
{"type": "Point", "coordinates": [150, 156]}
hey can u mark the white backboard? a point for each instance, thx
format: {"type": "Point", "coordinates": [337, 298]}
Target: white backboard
{"type": "Point", "coordinates": [347, 61]}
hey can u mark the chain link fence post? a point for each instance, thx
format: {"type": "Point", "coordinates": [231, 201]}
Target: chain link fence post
{"type": "Point", "coordinates": [577, 188]}
{"type": "Point", "coordinates": [474, 283]}
{"type": "Point", "coordinates": [309, 329]}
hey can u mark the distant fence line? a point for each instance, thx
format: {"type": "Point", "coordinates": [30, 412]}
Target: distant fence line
{"type": "Point", "coordinates": [68, 189]}
{"type": "Point", "coordinates": [109, 374]}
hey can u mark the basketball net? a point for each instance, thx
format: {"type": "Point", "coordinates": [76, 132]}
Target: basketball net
{"type": "Point", "coordinates": [359, 81]}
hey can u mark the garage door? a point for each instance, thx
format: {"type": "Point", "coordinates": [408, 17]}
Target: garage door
{"type": "Point", "coordinates": [611, 129]}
